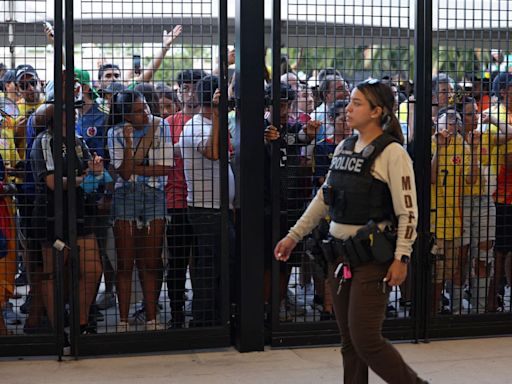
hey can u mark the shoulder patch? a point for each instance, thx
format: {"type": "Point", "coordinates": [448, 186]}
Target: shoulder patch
{"type": "Point", "coordinates": [92, 131]}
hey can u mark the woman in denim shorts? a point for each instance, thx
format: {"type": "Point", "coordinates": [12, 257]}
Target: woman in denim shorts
{"type": "Point", "coordinates": [141, 152]}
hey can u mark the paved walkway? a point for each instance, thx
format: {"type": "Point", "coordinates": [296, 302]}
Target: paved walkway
{"type": "Point", "coordinates": [441, 362]}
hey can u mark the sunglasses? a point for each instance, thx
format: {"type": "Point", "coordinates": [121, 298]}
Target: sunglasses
{"type": "Point", "coordinates": [24, 85]}
{"type": "Point", "coordinates": [371, 81]}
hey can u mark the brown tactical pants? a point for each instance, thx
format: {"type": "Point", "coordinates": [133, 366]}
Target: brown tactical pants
{"type": "Point", "coordinates": [360, 309]}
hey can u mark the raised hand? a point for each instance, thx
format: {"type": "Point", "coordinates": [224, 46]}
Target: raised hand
{"type": "Point", "coordinates": [169, 37]}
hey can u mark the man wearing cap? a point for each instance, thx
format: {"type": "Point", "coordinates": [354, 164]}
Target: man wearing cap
{"type": "Point", "coordinates": [179, 230]}
{"type": "Point", "coordinates": [29, 88]}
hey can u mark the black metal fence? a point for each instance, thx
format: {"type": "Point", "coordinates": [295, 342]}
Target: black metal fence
{"type": "Point", "coordinates": [156, 232]}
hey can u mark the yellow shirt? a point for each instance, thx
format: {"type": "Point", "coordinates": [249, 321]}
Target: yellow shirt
{"type": "Point", "coordinates": [26, 110]}
{"type": "Point", "coordinates": [452, 167]}
{"type": "Point", "coordinates": [485, 182]}
{"type": "Point", "coordinates": [497, 152]}
{"type": "Point", "coordinates": [403, 112]}
{"type": "Point", "coordinates": [7, 147]}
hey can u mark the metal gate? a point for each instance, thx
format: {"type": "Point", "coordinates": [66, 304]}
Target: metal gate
{"type": "Point", "coordinates": [110, 265]}
{"type": "Point", "coordinates": [131, 265]}
{"type": "Point", "coordinates": [321, 49]}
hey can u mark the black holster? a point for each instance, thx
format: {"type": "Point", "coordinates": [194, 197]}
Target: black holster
{"type": "Point", "coordinates": [368, 244]}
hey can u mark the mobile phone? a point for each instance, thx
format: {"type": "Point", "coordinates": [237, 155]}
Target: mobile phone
{"type": "Point", "coordinates": [136, 64]}
{"type": "Point", "coordinates": [49, 26]}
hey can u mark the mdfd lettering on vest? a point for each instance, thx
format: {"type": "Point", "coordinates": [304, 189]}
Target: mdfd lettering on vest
{"type": "Point", "coordinates": [346, 163]}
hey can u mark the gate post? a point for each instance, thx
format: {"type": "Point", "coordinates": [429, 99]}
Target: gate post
{"type": "Point", "coordinates": [422, 137]}
{"type": "Point", "coordinates": [249, 32]}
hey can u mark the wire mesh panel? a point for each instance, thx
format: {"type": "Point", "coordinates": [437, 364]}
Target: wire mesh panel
{"type": "Point", "coordinates": [160, 245]}
{"type": "Point", "coordinates": [329, 47]}
{"type": "Point", "coordinates": [27, 289]}
{"type": "Point", "coordinates": [470, 144]}
{"type": "Point", "coordinates": [147, 193]}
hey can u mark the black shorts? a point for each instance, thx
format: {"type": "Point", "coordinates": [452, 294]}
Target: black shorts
{"type": "Point", "coordinates": [503, 228]}
{"type": "Point", "coordinates": [43, 219]}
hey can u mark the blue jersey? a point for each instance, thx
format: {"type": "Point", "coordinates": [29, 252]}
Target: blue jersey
{"type": "Point", "coordinates": [92, 128]}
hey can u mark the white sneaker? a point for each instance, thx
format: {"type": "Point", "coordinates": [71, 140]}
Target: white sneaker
{"type": "Point", "coordinates": [122, 326]}
{"type": "Point", "coordinates": [154, 325]}
{"type": "Point", "coordinates": [506, 299]}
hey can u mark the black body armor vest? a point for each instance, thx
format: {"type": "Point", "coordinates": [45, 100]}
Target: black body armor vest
{"type": "Point", "coordinates": [354, 196]}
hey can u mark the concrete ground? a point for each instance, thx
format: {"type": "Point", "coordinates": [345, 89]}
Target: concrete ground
{"type": "Point", "coordinates": [442, 362]}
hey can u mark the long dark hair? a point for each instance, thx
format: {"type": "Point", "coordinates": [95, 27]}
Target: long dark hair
{"type": "Point", "coordinates": [151, 96]}
{"type": "Point", "coordinates": [379, 94]}
{"type": "Point", "coordinates": [122, 104]}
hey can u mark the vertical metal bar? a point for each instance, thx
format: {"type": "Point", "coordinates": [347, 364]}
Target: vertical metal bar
{"type": "Point", "coordinates": [224, 162]}
{"type": "Point", "coordinates": [74, 264]}
{"type": "Point", "coordinates": [275, 156]}
{"type": "Point", "coordinates": [249, 31]}
{"type": "Point", "coordinates": [59, 208]}
{"type": "Point", "coordinates": [422, 133]}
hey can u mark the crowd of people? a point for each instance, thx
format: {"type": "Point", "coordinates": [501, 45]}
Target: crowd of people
{"type": "Point", "coordinates": [147, 175]}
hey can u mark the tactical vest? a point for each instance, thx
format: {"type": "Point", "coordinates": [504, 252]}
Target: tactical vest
{"type": "Point", "coordinates": [354, 196]}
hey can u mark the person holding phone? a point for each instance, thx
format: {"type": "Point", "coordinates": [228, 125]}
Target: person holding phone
{"type": "Point", "coordinates": [43, 167]}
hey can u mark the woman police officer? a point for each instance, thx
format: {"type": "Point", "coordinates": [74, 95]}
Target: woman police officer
{"type": "Point", "coordinates": [370, 178]}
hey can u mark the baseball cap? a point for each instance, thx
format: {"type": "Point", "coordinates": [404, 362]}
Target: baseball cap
{"type": "Point", "coordinates": [500, 82]}
{"type": "Point", "coordinates": [25, 69]}
{"type": "Point", "coordinates": [9, 76]}
{"type": "Point", "coordinates": [84, 78]}
{"type": "Point", "coordinates": [190, 76]}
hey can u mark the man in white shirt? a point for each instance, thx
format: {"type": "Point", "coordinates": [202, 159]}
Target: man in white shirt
{"type": "Point", "coordinates": [199, 144]}
{"type": "Point", "coordinates": [332, 88]}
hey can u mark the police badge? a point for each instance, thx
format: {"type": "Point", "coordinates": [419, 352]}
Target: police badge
{"type": "Point", "coordinates": [367, 152]}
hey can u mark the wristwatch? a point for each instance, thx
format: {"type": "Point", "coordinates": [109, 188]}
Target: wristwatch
{"type": "Point", "coordinates": [405, 259]}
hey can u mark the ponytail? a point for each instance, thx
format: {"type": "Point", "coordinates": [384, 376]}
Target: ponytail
{"type": "Point", "coordinates": [391, 125]}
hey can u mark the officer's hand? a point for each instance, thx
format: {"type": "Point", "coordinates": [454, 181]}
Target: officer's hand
{"type": "Point", "coordinates": [397, 273]}
{"type": "Point", "coordinates": [284, 248]}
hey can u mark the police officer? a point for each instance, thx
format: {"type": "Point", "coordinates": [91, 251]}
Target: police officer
{"type": "Point", "coordinates": [370, 180]}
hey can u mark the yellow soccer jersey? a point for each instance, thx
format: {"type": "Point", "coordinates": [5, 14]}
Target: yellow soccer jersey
{"type": "Point", "coordinates": [446, 194]}
{"type": "Point", "coordinates": [7, 147]}
{"type": "Point", "coordinates": [485, 182]}
{"type": "Point", "coordinates": [497, 152]}
{"type": "Point", "coordinates": [25, 111]}
{"type": "Point", "coordinates": [403, 112]}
